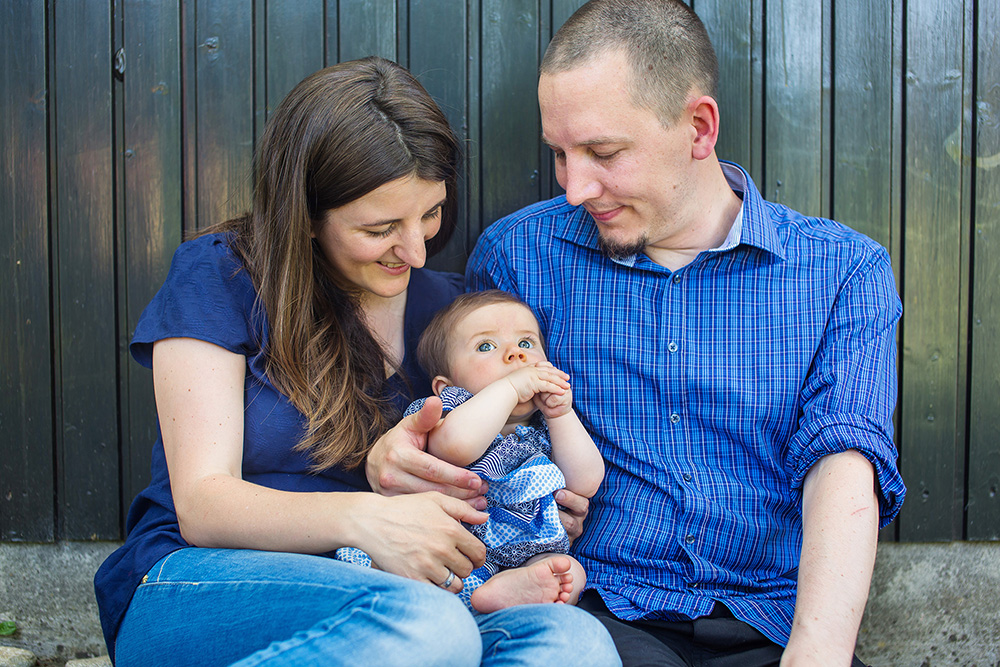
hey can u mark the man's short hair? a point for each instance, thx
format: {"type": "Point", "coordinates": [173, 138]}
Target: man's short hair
{"type": "Point", "coordinates": [432, 350]}
{"type": "Point", "coordinates": [667, 47]}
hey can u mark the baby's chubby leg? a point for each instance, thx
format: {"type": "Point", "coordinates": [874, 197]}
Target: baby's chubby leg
{"type": "Point", "coordinates": [541, 579]}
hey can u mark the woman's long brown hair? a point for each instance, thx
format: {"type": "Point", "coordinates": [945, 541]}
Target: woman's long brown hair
{"type": "Point", "coordinates": [339, 134]}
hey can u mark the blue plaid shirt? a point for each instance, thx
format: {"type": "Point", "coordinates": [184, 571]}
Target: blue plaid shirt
{"type": "Point", "coordinates": [710, 391]}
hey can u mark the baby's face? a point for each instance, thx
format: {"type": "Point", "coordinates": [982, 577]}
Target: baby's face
{"type": "Point", "coordinates": [492, 342]}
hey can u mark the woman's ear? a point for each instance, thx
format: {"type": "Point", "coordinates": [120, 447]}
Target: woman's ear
{"type": "Point", "coordinates": [439, 383]}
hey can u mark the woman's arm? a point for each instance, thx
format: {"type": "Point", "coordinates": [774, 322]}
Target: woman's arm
{"type": "Point", "coordinates": [199, 397]}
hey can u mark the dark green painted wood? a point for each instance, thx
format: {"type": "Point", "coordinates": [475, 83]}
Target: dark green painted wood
{"type": "Point", "coordinates": [442, 71]}
{"type": "Point", "coordinates": [793, 125]}
{"type": "Point", "coordinates": [367, 28]}
{"type": "Point", "coordinates": [730, 26]}
{"type": "Point", "coordinates": [153, 204]}
{"type": "Point", "coordinates": [224, 90]}
{"type": "Point", "coordinates": [294, 41]}
{"type": "Point", "coordinates": [863, 124]}
{"type": "Point", "coordinates": [932, 282]}
{"type": "Point", "coordinates": [26, 429]}
{"type": "Point", "coordinates": [189, 161]}
{"type": "Point", "coordinates": [87, 436]}
{"type": "Point", "coordinates": [511, 152]}
{"type": "Point", "coordinates": [562, 10]}
{"type": "Point", "coordinates": [331, 28]}
{"type": "Point", "coordinates": [862, 117]}
{"type": "Point", "coordinates": [984, 396]}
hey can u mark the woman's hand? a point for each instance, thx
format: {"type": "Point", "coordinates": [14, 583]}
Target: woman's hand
{"type": "Point", "coordinates": [399, 464]}
{"type": "Point", "coordinates": [573, 510]}
{"type": "Point", "coordinates": [420, 536]}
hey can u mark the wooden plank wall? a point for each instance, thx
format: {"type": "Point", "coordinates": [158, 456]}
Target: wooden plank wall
{"type": "Point", "coordinates": [885, 116]}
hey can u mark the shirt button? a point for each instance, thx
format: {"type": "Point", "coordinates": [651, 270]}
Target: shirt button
{"type": "Point", "coordinates": [672, 347]}
{"type": "Point", "coordinates": [677, 278]}
{"type": "Point", "coordinates": [693, 584]}
{"type": "Point", "coordinates": [689, 539]}
{"type": "Point", "coordinates": [687, 477]}
{"type": "Point", "coordinates": [674, 418]}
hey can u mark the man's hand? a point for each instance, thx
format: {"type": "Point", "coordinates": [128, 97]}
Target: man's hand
{"type": "Point", "coordinates": [398, 462]}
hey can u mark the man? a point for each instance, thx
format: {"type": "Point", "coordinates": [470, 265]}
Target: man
{"type": "Point", "coordinates": [733, 359]}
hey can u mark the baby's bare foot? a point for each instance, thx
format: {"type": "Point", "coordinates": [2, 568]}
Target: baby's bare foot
{"type": "Point", "coordinates": [547, 580]}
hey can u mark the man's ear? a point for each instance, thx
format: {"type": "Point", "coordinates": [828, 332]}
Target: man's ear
{"type": "Point", "coordinates": [439, 383]}
{"type": "Point", "coordinates": [705, 120]}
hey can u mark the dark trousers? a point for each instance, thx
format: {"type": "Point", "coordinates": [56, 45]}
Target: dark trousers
{"type": "Point", "coordinates": [716, 640]}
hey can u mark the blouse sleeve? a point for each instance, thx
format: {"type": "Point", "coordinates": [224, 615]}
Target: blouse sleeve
{"type": "Point", "coordinates": [207, 295]}
{"type": "Point", "coordinates": [451, 398]}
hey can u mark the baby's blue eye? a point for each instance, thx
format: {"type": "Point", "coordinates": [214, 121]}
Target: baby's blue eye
{"type": "Point", "coordinates": [486, 347]}
{"type": "Point", "coordinates": [526, 344]}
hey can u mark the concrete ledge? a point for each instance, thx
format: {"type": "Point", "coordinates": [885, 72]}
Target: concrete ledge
{"type": "Point", "coordinates": [48, 590]}
{"type": "Point", "coordinates": [930, 604]}
{"type": "Point", "coordinates": [933, 604]}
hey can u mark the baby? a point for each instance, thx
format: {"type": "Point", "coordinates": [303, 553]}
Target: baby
{"type": "Point", "coordinates": [509, 418]}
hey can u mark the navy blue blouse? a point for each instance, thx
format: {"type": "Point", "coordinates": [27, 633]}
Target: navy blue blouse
{"type": "Point", "coordinates": [208, 296]}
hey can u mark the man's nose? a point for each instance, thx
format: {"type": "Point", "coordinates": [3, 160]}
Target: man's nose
{"type": "Point", "coordinates": [579, 182]}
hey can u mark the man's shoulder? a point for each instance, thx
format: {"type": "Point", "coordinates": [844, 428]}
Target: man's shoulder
{"type": "Point", "coordinates": [543, 217]}
{"type": "Point", "coordinates": [804, 231]}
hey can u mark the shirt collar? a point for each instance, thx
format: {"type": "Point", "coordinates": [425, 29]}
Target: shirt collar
{"type": "Point", "coordinates": [751, 227]}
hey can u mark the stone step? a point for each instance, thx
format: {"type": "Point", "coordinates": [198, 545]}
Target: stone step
{"type": "Point", "coordinates": [19, 657]}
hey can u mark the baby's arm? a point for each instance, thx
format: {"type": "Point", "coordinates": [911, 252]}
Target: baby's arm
{"type": "Point", "coordinates": [469, 429]}
{"type": "Point", "coordinates": [573, 450]}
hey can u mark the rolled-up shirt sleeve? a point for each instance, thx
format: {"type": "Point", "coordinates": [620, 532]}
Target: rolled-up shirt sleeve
{"type": "Point", "coordinates": [848, 398]}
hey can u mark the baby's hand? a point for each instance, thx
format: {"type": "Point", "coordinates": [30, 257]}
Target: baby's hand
{"type": "Point", "coordinates": [553, 405]}
{"type": "Point", "coordinates": [540, 379]}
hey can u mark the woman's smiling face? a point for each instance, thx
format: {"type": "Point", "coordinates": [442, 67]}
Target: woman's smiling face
{"type": "Point", "coordinates": [375, 239]}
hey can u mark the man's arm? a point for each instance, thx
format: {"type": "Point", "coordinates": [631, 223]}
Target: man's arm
{"type": "Point", "coordinates": [840, 533]}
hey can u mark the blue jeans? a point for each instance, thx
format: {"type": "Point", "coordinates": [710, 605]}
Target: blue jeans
{"type": "Point", "coordinates": [239, 607]}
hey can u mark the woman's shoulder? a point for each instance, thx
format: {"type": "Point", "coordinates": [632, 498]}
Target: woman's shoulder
{"type": "Point", "coordinates": [207, 295]}
{"type": "Point", "coordinates": [207, 250]}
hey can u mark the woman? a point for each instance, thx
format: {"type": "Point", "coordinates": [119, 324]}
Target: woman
{"type": "Point", "coordinates": [282, 348]}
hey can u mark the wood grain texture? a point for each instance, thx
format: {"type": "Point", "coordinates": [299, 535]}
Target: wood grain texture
{"type": "Point", "coordinates": [730, 26]}
{"type": "Point", "coordinates": [27, 433]}
{"type": "Point", "coordinates": [793, 105]}
{"type": "Point", "coordinates": [509, 143]}
{"type": "Point", "coordinates": [224, 122]}
{"type": "Point", "coordinates": [883, 115]}
{"type": "Point", "coordinates": [932, 281]}
{"type": "Point", "coordinates": [367, 28]}
{"type": "Point", "coordinates": [153, 206]}
{"type": "Point", "coordinates": [984, 386]}
{"type": "Point", "coordinates": [87, 406]}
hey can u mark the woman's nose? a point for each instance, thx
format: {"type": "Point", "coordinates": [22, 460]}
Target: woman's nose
{"type": "Point", "coordinates": [411, 248]}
